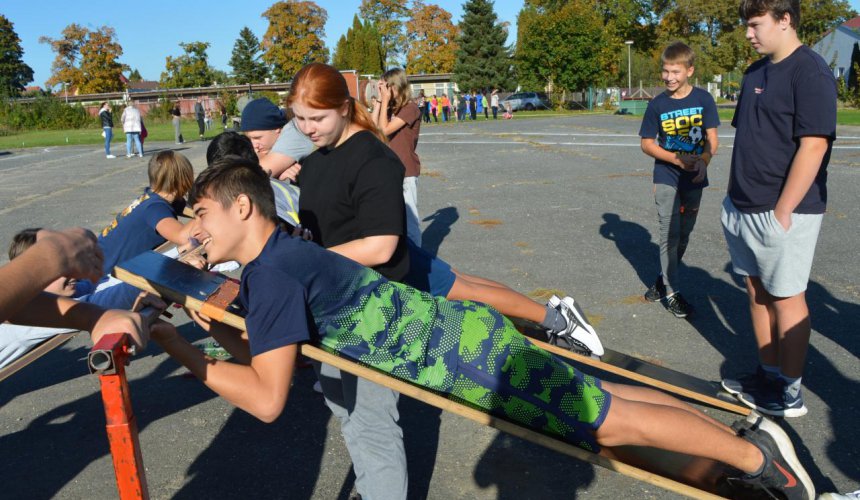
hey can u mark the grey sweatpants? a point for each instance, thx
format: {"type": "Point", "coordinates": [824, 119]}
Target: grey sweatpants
{"type": "Point", "coordinates": [368, 421]}
{"type": "Point", "coordinates": [675, 228]}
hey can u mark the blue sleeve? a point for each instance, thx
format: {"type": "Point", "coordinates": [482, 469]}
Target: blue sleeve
{"type": "Point", "coordinates": [119, 296]}
{"type": "Point", "coordinates": [815, 106]}
{"type": "Point", "coordinates": [650, 124]}
{"type": "Point", "coordinates": [710, 116]}
{"type": "Point", "coordinates": [156, 212]}
{"type": "Point", "coordinates": [277, 310]}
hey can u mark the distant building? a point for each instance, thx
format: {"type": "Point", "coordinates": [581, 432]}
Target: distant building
{"type": "Point", "coordinates": [433, 84]}
{"type": "Point", "coordinates": [837, 45]}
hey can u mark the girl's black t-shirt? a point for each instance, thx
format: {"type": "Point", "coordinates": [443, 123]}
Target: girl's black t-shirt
{"type": "Point", "coordinates": [354, 191]}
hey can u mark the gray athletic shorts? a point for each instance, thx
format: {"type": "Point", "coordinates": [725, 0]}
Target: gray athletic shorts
{"type": "Point", "coordinates": [759, 246]}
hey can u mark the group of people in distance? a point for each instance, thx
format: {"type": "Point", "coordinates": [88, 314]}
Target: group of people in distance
{"type": "Point", "coordinates": [322, 212]}
{"type": "Point", "coordinates": [461, 106]}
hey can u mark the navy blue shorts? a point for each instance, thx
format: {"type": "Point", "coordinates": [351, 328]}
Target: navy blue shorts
{"type": "Point", "coordinates": [428, 273]}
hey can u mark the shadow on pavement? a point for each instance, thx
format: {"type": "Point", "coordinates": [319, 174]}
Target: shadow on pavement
{"type": "Point", "coordinates": [440, 226]}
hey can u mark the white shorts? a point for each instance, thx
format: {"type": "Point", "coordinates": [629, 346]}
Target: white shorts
{"type": "Point", "coordinates": [761, 247]}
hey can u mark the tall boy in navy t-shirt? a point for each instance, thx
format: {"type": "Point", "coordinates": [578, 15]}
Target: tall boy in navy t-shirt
{"type": "Point", "coordinates": [786, 123]}
{"type": "Point", "coordinates": [684, 121]}
{"type": "Point", "coordinates": [295, 291]}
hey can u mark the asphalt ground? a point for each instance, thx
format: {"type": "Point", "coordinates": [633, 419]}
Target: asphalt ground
{"type": "Point", "coordinates": [560, 203]}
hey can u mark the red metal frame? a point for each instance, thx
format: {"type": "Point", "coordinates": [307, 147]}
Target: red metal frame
{"type": "Point", "coordinates": [108, 359]}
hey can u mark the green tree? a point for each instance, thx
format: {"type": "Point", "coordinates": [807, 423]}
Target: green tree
{"type": "Point", "coordinates": [294, 37]}
{"type": "Point", "coordinates": [432, 39]}
{"type": "Point", "coordinates": [245, 60]}
{"type": "Point", "coordinates": [359, 49]}
{"type": "Point", "coordinates": [819, 16]}
{"type": "Point", "coordinates": [564, 48]}
{"type": "Point", "coordinates": [14, 73]}
{"type": "Point", "coordinates": [483, 59]}
{"type": "Point", "coordinates": [191, 69]}
{"type": "Point", "coordinates": [135, 76]}
{"type": "Point", "coordinates": [100, 69]}
{"type": "Point", "coordinates": [388, 16]}
{"type": "Point", "coordinates": [712, 29]}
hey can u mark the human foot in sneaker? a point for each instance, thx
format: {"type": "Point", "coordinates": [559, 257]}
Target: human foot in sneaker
{"type": "Point", "coordinates": [748, 382]}
{"type": "Point", "coordinates": [781, 472]}
{"type": "Point", "coordinates": [657, 290]}
{"type": "Point", "coordinates": [579, 334]}
{"type": "Point", "coordinates": [677, 305]}
{"type": "Point", "coordinates": [854, 495]}
{"type": "Point", "coordinates": [774, 399]}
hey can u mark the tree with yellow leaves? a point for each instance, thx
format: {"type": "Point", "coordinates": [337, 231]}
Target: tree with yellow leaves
{"type": "Point", "coordinates": [294, 37]}
{"type": "Point", "coordinates": [432, 39]}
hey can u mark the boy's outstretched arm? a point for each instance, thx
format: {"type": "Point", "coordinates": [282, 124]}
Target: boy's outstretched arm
{"type": "Point", "coordinates": [260, 388]}
{"type": "Point", "coordinates": [174, 231]}
{"type": "Point", "coordinates": [232, 339]}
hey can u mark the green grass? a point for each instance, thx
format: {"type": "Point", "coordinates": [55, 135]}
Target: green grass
{"type": "Point", "coordinates": [45, 138]}
{"type": "Point", "coordinates": [844, 116]}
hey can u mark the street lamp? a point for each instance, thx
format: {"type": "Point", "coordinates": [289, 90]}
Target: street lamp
{"type": "Point", "coordinates": [629, 75]}
{"type": "Point", "coordinates": [66, 90]}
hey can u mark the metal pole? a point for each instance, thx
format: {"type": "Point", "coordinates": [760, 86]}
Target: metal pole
{"type": "Point", "coordinates": [629, 74]}
{"type": "Point", "coordinates": [108, 359]}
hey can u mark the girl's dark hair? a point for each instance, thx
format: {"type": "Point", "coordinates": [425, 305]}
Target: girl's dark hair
{"type": "Point", "coordinates": [321, 86]}
{"type": "Point", "coordinates": [231, 176]}
{"type": "Point", "coordinates": [230, 143]}
{"type": "Point", "coordinates": [776, 8]}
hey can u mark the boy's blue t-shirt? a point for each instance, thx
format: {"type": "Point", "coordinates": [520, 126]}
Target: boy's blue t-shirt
{"type": "Point", "coordinates": [679, 125]}
{"type": "Point", "coordinates": [133, 230]}
{"type": "Point", "coordinates": [296, 288]}
{"type": "Point", "coordinates": [780, 103]}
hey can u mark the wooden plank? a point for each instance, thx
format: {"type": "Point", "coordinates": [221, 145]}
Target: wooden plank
{"type": "Point", "coordinates": [36, 353]}
{"type": "Point", "coordinates": [639, 370]}
{"type": "Point", "coordinates": [663, 469]}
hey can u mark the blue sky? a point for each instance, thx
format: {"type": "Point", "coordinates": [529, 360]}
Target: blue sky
{"type": "Point", "coordinates": [152, 30]}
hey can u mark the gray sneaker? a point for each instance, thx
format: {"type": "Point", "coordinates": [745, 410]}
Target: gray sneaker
{"type": "Point", "coordinates": [774, 399]}
{"type": "Point", "coordinates": [782, 473]}
{"type": "Point", "coordinates": [747, 383]}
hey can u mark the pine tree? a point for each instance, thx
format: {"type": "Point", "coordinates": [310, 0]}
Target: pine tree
{"type": "Point", "coordinates": [14, 74]}
{"type": "Point", "coordinates": [135, 76]}
{"type": "Point", "coordinates": [483, 60]}
{"type": "Point", "coordinates": [360, 49]}
{"type": "Point", "coordinates": [245, 60]}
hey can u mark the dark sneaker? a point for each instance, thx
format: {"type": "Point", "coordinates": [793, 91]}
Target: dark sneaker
{"type": "Point", "coordinates": [747, 383]}
{"type": "Point", "coordinates": [657, 291]}
{"type": "Point", "coordinates": [782, 474]}
{"type": "Point", "coordinates": [774, 399]}
{"type": "Point", "coordinates": [676, 305]}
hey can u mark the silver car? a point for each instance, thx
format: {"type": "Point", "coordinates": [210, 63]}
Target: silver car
{"type": "Point", "coordinates": [528, 101]}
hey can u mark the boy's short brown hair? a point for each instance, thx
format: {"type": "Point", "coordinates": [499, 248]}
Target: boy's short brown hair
{"type": "Point", "coordinates": [776, 8]}
{"type": "Point", "coordinates": [678, 53]}
{"type": "Point", "coordinates": [22, 241]}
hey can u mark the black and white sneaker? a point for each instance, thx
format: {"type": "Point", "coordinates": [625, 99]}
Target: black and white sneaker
{"type": "Point", "coordinates": [578, 335]}
{"type": "Point", "coordinates": [657, 291]}
{"type": "Point", "coordinates": [677, 305]}
{"type": "Point", "coordinates": [782, 475]}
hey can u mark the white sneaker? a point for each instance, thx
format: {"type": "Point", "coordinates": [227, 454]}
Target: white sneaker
{"type": "Point", "coordinates": [140, 155]}
{"type": "Point", "coordinates": [855, 495]}
{"type": "Point", "coordinates": [129, 155]}
{"type": "Point", "coordinates": [579, 334]}
{"type": "Point", "coordinates": [109, 157]}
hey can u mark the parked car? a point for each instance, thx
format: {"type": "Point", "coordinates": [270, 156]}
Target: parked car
{"type": "Point", "coordinates": [528, 101]}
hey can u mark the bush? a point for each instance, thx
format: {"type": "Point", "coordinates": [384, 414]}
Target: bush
{"type": "Point", "coordinates": [43, 113]}
{"type": "Point", "coordinates": [161, 112]}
